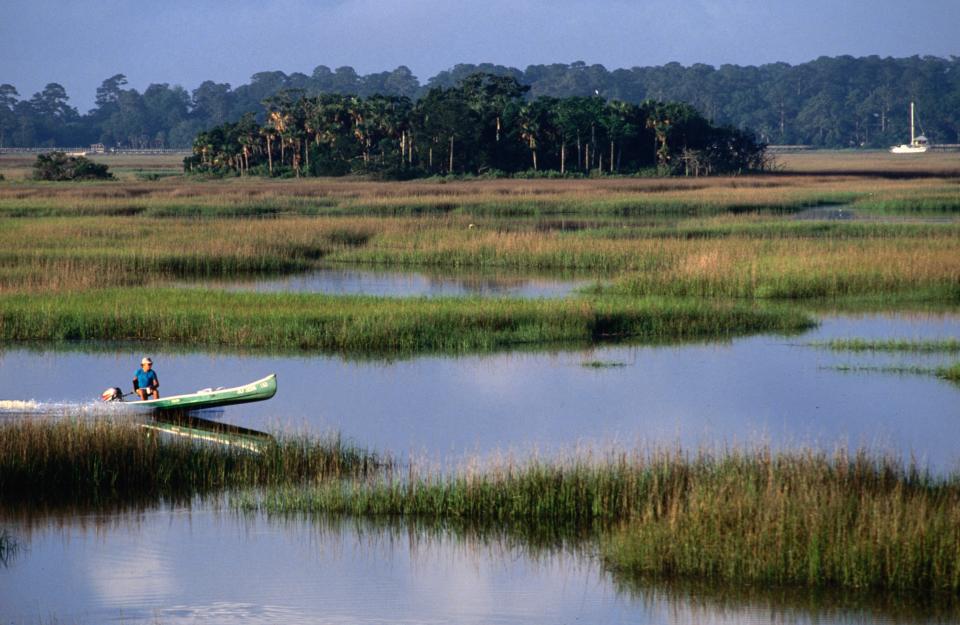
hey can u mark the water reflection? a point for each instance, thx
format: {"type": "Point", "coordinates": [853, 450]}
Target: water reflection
{"type": "Point", "coordinates": [190, 565]}
{"type": "Point", "coordinates": [700, 602]}
{"type": "Point", "coordinates": [334, 280]}
{"type": "Point", "coordinates": [195, 428]}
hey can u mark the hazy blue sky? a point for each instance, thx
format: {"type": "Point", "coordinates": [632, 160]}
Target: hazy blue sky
{"type": "Point", "coordinates": [78, 43]}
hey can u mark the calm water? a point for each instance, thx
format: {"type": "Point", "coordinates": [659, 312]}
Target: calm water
{"type": "Point", "coordinates": [771, 389]}
{"type": "Point", "coordinates": [209, 565]}
{"type": "Point", "coordinates": [203, 566]}
{"type": "Point", "coordinates": [399, 283]}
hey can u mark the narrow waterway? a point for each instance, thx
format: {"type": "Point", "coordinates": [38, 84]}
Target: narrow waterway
{"type": "Point", "coordinates": [350, 280]}
{"type": "Point", "coordinates": [208, 564]}
{"type": "Point", "coordinates": [767, 389]}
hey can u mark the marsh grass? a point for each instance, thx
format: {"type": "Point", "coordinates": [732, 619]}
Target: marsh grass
{"type": "Point", "coordinates": [371, 324]}
{"type": "Point", "coordinates": [951, 372]}
{"type": "Point", "coordinates": [618, 197]}
{"type": "Point", "coordinates": [921, 268]}
{"type": "Point", "coordinates": [950, 345]}
{"type": "Point", "coordinates": [803, 519]}
{"type": "Point", "coordinates": [72, 460]}
{"type": "Point", "coordinates": [878, 164]}
{"type": "Point", "coordinates": [724, 237]}
{"type": "Point", "coordinates": [760, 227]}
{"type": "Point", "coordinates": [744, 516]}
{"type": "Point", "coordinates": [793, 518]}
{"type": "Point", "coordinates": [83, 253]}
{"type": "Point", "coordinates": [602, 364]}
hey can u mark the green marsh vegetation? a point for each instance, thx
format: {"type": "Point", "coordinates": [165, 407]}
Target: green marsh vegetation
{"type": "Point", "coordinates": [69, 255]}
{"type": "Point", "coordinates": [74, 461]}
{"type": "Point", "coordinates": [904, 346]}
{"type": "Point", "coordinates": [774, 194]}
{"type": "Point", "coordinates": [951, 372]}
{"type": "Point", "coordinates": [800, 518]}
{"type": "Point", "coordinates": [950, 345]}
{"type": "Point", "coordinates": [729, 238]}
{"type": "Point", "coordinates": [730, 257]}
{"type": "Point", "coordinates": [602, 364]}
{"type": "Point", "coordinates": [371, 324]}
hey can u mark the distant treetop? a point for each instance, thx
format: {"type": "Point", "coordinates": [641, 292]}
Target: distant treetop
{"type": "Point", "coordinates": [830, 102]}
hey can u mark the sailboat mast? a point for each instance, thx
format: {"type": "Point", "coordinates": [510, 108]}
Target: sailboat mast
{"type": "Point", "coordinates": [912, 141]}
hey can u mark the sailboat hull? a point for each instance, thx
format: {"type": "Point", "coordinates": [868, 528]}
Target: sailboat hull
{"type": "Point", "coordinates": [908, 149]}
{"type": "Point", "coordinates": [917, 145]}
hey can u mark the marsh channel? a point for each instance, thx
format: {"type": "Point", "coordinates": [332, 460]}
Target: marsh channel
{"type": "Point", "coordinates": [204, 562]}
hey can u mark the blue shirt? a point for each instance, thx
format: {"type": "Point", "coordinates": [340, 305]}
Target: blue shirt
{"type": "Point", "coordinates": [145, 379]}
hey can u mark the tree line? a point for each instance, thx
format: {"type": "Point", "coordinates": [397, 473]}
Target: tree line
{"type": "Point", "coordinates": [830, 102]}
{"type": "Point", "coordinates": [484, 125]}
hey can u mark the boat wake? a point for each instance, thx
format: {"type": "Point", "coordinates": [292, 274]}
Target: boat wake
{"type": "Point", "coordinates": [34, 408]}
{"type": "Point", "coordinates": [16, 405]}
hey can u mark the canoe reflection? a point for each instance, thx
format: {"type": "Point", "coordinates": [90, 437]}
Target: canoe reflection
{"type": "Point", "coordinates": [196, 428]}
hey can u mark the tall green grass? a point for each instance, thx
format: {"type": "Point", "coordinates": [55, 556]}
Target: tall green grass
{"type": "Point", "coordinates": [744, 257]}
{"type": "Point", "coordinates": [944, 204]}
{"type": "Point", "coordinates": [950, 345]}
{"type": "Point", "coordinates": [77, 254]}
{"type": "Point", "coordinates": [638, 205]}
{"type": "Point", "coordinates": [373, 201]}
{"type": "Point", "coordinates": [921, 268]}
{"type": "Point", "coordinates": [802, 519]}
{"type": "Point", "coordinates": [355, 323]}
{"type": "Point", "coordinates": [613, 197]}
{"type": "Point", "coordinates": [69, 460]}
{"type": "Point", "coordinates": [768, 228]}
{"type": "Point", "coordinates": [951, 372]}
{"type": "Point", "coordinates": [793, 518]}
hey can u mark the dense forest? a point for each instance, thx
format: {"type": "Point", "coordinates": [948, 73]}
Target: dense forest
{"type": "Point", "coordinates": [483, 125]}
{"type": "Point", "coordinates": [831, 102]}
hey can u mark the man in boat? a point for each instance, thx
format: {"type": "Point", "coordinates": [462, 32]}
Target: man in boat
{"type": "Point", "coordinates": [145, 382]}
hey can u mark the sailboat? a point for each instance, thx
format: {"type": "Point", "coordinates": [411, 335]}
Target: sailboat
{"type": "Point", "coordinates": [918, 144]}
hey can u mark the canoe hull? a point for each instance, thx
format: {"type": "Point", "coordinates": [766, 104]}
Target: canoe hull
{"type": "Point", "coordinates": [259, 390]}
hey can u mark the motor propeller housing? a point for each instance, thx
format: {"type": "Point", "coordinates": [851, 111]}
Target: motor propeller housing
{"type": "Point", "coordinates": [112, 394]}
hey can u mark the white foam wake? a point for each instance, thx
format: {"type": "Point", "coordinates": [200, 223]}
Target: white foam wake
{"type": "Point", "coordinates": [32, 407]}
{"type": "Point", "coordinates": [16, 405]}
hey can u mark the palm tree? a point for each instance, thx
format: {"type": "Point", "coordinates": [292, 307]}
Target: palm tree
{"type": "Point", "coordinates": [530, 128]}
{"type": "Point", "coordinates": [619, 123]}
{"type": "Point", "coordinates": [660, 121]}
{"type": "Point", "coordinates": [269, 133]}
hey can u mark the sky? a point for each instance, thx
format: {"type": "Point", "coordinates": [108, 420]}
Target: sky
{"type": "Point", "coordinates": [78, 43]}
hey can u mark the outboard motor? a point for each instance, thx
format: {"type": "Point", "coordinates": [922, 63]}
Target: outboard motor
{"type": "Point", "coordinates": [112, 394]}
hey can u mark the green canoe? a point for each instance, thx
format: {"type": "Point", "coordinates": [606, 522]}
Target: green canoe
{"type": "Point", "coordinates": [211, 398]}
